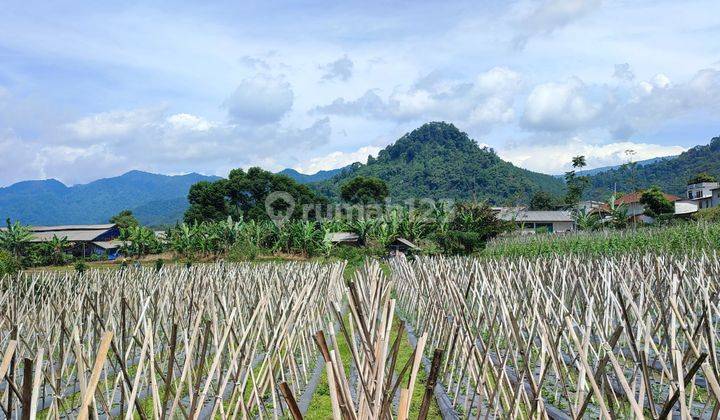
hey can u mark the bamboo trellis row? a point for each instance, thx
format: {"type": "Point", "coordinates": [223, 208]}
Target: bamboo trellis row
{"type": "Point", "coordinates": [210, 341]}
{"type": "Point", "coordinates": [565, 337]}
{"type": "Point", "coordinates": [380, 374]}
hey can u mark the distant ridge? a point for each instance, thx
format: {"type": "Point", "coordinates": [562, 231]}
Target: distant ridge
{"type": "Point", "coordinates": [670, 174]}
{"type": "Point", "coordinates": [309, 178]}
{"type": "Point", "coordinates": [155, 199]}
{"type": "Point", "coordinates": [595, 171]}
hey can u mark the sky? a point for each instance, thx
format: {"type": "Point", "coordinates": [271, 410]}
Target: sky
{"type": "Point", "coordinates": [93, 89]}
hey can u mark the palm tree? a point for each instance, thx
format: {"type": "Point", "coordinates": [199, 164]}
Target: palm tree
{"type": "Point", "coordinates": [14, 237]}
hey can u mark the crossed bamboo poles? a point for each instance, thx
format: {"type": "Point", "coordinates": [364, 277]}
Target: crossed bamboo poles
{"type": "Point", "coordinates": [565, 337]}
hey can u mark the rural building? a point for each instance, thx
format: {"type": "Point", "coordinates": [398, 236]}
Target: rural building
{"type": "Point", "coordinates": [531, 221]}
{"type": "Point", "coordinates": [636, 209]}
{"type": "Point", "coordinates": [346, 238]}
{"type": "Point", "coordinates": [701, 195]}
{"type": "Point", "coordinates": [86, 240]}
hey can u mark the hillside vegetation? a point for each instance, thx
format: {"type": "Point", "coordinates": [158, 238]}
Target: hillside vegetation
{"type": "Point", "coordinates": [439, 161]}
{"type": "Point", "coordinates": [670, 174]}
{"type": "Point", "coordinates": [154, 199]}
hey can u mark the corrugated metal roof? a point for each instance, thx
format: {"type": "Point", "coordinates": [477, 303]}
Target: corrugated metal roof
{"type": "Point", "coordinates": [106, 226]}
{"type": "Point", "coordinates": [537, 216]}
{"type": "Point", "coordinates": [70, 235]}
{"type": "Point", "coordinates": [342, 237]}
{"type": "Point", "coordinates": [73, 233]}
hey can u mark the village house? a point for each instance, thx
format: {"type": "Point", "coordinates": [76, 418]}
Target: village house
{"type": "Point", "coordinates": [530, 221]}
{"type": "Point", "coordinates": [635, 209]}
{"type": "Point", "coordinates": [699, 195]}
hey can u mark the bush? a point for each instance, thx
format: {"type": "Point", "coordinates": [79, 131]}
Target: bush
{"type": "Point", "coordinates": [243, 251]}
{"type": "Point", "coordinates": [8, 263]}
{"type": "Point", "coordinates": [159, 264]}
{"type": "Point", "coordinates": [80, 266]}
{"type": "Point", "coordinates": [708, 215]}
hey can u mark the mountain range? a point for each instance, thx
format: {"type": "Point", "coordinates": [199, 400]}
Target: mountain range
{"type": "Point", "coordinates": [308, 179]}
{"type": "Point", "coordinates": [154, 199]}
{"type": "Point", "coordinates": [435, 160]}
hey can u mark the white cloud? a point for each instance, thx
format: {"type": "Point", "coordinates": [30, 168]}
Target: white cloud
{"type": "Point", "coordinates": [113, 123]}
{"type": "Point", "coordinates": [341, 69]}
{"type": "Point", "coordinates": [260, 100]}
{"type": "Point", "coordinates": [551, 15]}
{"type": "Point", "coordinates": [486, 100]}
{"type": "Point", "coordinates": [337, 160]}
{"type": "Point", "coordinates": [131, 139]}
{"type": "Point", "coordinates": [560, 107]}
{"type": "Point", "coordinates": [189, 122]}
{"type": "Point", "coordinates": [556, 158]}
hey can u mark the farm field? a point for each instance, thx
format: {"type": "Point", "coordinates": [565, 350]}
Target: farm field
{"type": "Point", "coordinates": [550, 337]}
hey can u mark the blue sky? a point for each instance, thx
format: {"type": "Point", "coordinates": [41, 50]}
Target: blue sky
{"type": "Point", "coordinates": [90, 90]}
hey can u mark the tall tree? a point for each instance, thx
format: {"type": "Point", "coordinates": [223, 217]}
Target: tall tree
{"type": "Point", "coordinates": [125, 219]}
{"type": "Point", "coordinates": [576, 185]}
{"type": "Point", "coordinates": [243, 195]}
{"type": "Point", "coordinates": [364, 190]}
{"type": "Point", "coordinates": [655, 202]}
{"type": "Point", "coordinates": [543, 200]}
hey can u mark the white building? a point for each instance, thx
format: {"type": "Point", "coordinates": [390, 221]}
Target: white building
{"type": "Point", "coordinates": [700, 195]}
{"type": "Point", "coordinates": [530, 221]}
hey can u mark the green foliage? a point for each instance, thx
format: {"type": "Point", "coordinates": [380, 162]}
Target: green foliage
{"type": "Point", "coordinates": [125, 219]}
{"type": "Point", "coordinates": [159, 264]}
{"type": "Point", "coordinates": [669, 174]}
{"type": "Point", "coordinates": [576, 185]}
{"type": "Point", "coordinates": [9, 264]}
{"type": "Point", "coordinates": [243, 251]}
{"type": "Point", "coordinates": [14, 237]}
{"type": "Point", "coordinates": [364, 190]}
{"type": "Point", "coordinates": [471, 226]}
{"type": "Point", "coordinates": [702, 177]}
{"type": "Point", "coordinates": [679, 238]}
{"type": "Point", "coordinates": [54, 250]}
{"type": "Point", "coordinates": [154, 199]}
{"type": "Point", "coordinates": [243, 194]}
{"type": "Point", "coordinates": [138, 241]}
{"type": "Point", "coordinates": [708, 215]}
{"type": "Point", "coordinates": [543, 200]}
{"type": "Point", "coordinates": [587, 221]}
{"type": "Point", "coordinates": [655, 202]}
{"type": "Point", "coordinates": [80, 266]}
{"type": "Point", "coordinates": [439, 161]}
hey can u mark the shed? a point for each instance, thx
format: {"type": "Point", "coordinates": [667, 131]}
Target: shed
{"type": "Point", "coordinates": [82, 237]}
{"type": "Point", "coordinates": [402, 245]}
{"type": "Point", "coordinates": [348, 238]}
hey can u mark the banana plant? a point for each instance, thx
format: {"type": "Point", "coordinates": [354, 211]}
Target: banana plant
{"type": "Point", "coordinates": [14, 237]}
{"type": "Point", "coordinates": [55, 249]}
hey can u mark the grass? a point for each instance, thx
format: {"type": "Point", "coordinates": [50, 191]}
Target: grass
{"type": "Point", "coordinates": [675, 239]}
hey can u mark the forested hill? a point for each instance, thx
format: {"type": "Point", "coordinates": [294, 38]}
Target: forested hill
{"type": "Point", "coordinates": [671, 174]}
{"type": "Point", "coordinates": [439, 161]}
{"type": "Point", "coordinates": [154, 199]}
